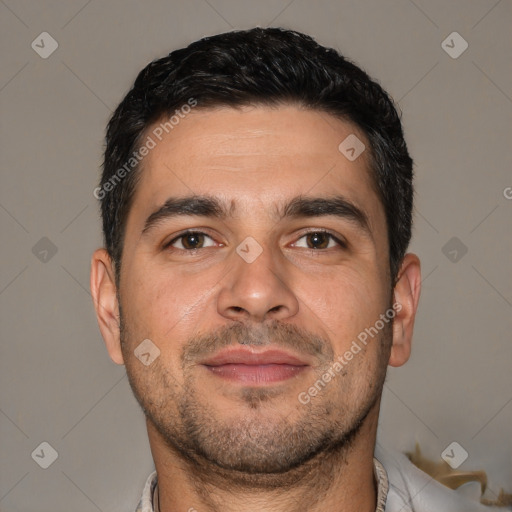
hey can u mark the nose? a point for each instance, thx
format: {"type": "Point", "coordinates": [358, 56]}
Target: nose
{"type": "Point", "coordinates": [257, 291]}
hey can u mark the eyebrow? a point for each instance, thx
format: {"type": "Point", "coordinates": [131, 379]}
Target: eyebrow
{"type": "Point", "coordinates": [297, 207]}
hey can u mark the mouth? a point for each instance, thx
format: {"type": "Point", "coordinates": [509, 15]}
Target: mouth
{"type": "Point", "coordinates": [255, 368]}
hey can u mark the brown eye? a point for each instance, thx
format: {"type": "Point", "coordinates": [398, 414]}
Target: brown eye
{"type": "Point", "coordinates": [189, 241]}
{"type": "Point", "coordinates": [320, 240]}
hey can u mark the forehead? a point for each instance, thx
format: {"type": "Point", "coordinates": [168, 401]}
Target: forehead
{"type": "Point", "coordinates": [253, 157]}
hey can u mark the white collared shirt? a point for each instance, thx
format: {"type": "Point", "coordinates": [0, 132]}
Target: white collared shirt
{"type": "Point", "coordinates": [401, 487]}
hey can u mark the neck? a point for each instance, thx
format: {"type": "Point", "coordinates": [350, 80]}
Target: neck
{"type": "Point", "coordinates": [334, 480]}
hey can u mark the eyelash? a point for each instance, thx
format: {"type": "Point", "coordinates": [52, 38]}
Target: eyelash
{"type": "Point", "coordinates": [168, 245]}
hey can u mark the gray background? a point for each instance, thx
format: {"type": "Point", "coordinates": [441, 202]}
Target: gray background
{"type": "Point", "coordinates": [57, 383]}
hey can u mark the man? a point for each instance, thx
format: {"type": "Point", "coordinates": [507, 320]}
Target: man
{"type": "Point", "coordinates": [256, 200]}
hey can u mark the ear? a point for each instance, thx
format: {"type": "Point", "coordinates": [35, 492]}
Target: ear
{"type": "Point", "coordinates": [406, 297]}
{"type": "Point", "coordinates": [103, 289]}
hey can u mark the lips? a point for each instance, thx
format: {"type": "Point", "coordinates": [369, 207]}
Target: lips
{"type": "Point", "coordinates": [249, 357]}
{"type": "Point", "coordinates": [247, 366]}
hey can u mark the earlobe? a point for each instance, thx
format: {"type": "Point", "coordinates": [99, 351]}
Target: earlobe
{"type": "Point", "coordinates": [103, 289]}
{"type": "Point", "coordinates": [406, 298]}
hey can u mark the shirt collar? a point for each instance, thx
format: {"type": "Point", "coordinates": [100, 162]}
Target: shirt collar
{"type": "Point", "coordinates": [382, 485]}
{"type": "Point", "coordinates": [146, 503]}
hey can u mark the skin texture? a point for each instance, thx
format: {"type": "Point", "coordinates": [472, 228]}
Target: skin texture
{"type": "Point", "coordinates": [230, 446]}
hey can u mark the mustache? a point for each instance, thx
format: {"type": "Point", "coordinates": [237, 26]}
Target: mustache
{"type": "Point", "coordinates": [275, 334]}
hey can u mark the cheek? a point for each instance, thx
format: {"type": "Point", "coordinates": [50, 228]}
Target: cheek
{"type": "Point", "coordinates": [166, 308]}
{"type": "Point", "coordinates": [350, 302]}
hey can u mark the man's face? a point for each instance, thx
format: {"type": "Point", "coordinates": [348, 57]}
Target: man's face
{"type": "Point", "coordinates": [255, 306]}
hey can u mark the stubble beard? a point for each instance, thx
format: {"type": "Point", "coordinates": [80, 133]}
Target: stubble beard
{"type": "Point", "coordinates": [261, 448]}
